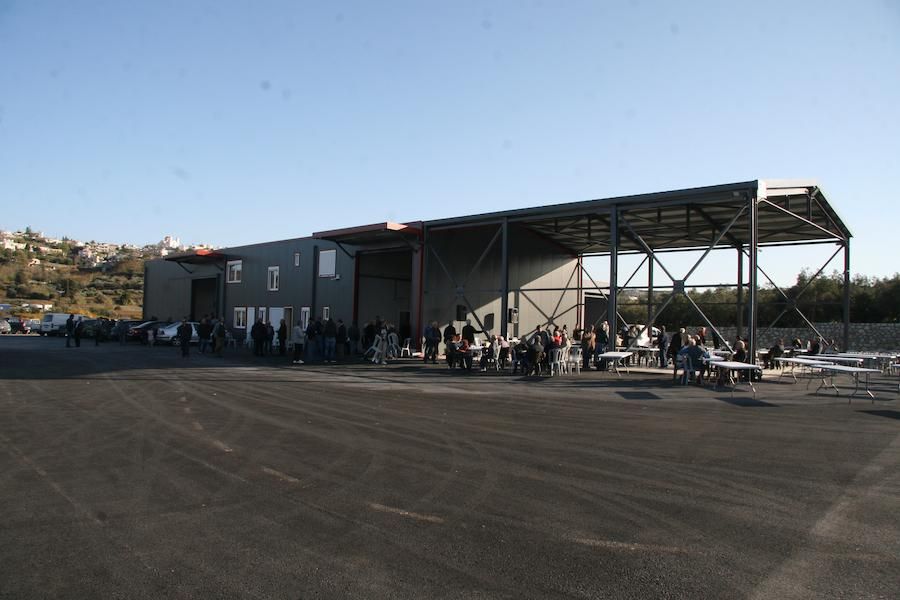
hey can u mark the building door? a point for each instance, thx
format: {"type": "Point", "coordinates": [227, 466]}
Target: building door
{"type": "Point", "coordinates": [276, 313]}
{"type": "Point", "coordinates": [304, 316]}
{"type": "Point", "coordinates": [251, 321]}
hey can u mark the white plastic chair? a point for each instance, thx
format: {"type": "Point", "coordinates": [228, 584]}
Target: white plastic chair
{"type": "Point", "coordinates": [393, 345]}
{"type": "Point", "coordinates": [557, 361]}
{"type": "Point", "coordinates": [405, 350]}
{"type": "Point", "coordinates": [573, 362]}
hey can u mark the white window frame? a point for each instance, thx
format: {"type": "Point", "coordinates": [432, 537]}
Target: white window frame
{"type": "Point", "coordinates": [296, 259]}
{"type": "Point", "coordinates": [239, 271]}
{"type": "Point", "coordinates": [242, 311]}
{"type": "Point", "coordinates": [326, 313]}
{"type": "Point", "coordinates": [272, 284]}
{"type": "Point", "coordinates": [330, 273]}
{"type": "Point", "coordinates": [304, 316]}
{"type": "Point", "coordinates": [262, 313]}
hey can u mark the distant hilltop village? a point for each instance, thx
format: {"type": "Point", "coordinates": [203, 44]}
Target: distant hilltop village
{"type": "Point", "coordinates": [40, 273]}
{"type": "Point", "coordinates": [88, 254]}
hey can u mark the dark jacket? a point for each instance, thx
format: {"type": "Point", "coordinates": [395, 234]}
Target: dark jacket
{"type": "Point", "coordinates": [185, 332]}
{"type": "Point", "coordinates": [330, 329]}
{"type": "Point", "coordinates": [282, 332]}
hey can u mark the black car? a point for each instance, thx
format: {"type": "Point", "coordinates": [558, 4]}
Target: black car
{"type": "Point", "coordinates": [17, 325]}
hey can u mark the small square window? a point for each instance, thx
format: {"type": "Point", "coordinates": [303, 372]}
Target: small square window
{"type": "Point", "coordinates": [233, 271]}
{"type": "Point", "coordinates": [327, 260]}
{"type": "Point", "coordinates": [296, 259]}
{"type": "Point", "coordinates": [273, 279]}
{"type": "Point", "coordinates": [240, 317]}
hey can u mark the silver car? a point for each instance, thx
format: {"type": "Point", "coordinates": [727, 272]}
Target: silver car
{"type": "Point", "coordinates": [169, 334]}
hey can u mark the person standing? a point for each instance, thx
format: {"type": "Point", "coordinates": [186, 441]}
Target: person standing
{"type": "Point", "coordinates": [299, 339]}
{"type": "Point", "coordinates": [468, 333]}
{"type": "Point", "coordinates": [282, 338]}
{"type": "Point", "coordinates": [329, 331]}
{"type": "Point", "coordinates": [432, 339]}
{"type": "Point", "coordinates": [204, 332]}
{"type": "Point", "coordinates": [70, 330]}
{"type": "Point", "coordinates": [662, 342]}
{"type": "Point", "coordinates": [679, 341]}
{"type": "Point", "coordinates": [588, 341]}
{"type": "Point", "coordinates": [258, 336]}
{"type": "Point", "coordinates": [311, 340]}
{"type": "Point", "coordinates": [601, 341]}
{"type": "Point", "coordinates": [270, 337]}
{"type": "Point", "coordinates": [185, 333]}
{"type": "Point", "coordinates": [342, 339]}
{"type": "Point", "coordinates": [79, 329]}
{"type": "Point", "coordinates": [218, 334]}
{"type": "Point", "coordinates": [98, 331]}
{"type": "Point", "coordinates": [353, 335]}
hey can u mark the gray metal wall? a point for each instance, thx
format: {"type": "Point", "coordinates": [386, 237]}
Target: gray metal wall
{"type": "Point", "coordinates": [534, 262]}
{"type": "Point", "coordinates": [168, 286]}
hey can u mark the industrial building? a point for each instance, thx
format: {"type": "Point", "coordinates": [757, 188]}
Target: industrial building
{"type": "Point", "coordinates": [505, 271]}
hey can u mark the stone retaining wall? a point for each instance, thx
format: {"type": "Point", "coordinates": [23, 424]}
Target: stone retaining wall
{"type": "Point", "coordinates": [868, 337]}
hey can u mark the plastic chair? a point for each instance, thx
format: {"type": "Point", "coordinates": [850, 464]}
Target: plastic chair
{"type": "Point", "coordinates": [557, 361]}
{"type": "Point", "coordinates": [574, 359]}
{"type": "Point", "coordinates": [405, 350]}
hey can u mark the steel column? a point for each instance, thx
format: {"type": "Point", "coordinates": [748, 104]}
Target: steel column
{"type": "Point", "coordinates": [504, 279]}
{"type": "Point", "coordinates": [611, 300]}
{"type": "Point", "coordinates": [754, 256]}
{"type": "Point", "coordinates": [846, 307]}
{"type": "Point", "coordinates": [650, 294]}
{"type": "Point", "coordinates": [740, 292]}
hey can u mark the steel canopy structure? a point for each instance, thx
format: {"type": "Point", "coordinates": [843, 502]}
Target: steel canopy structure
{"type": "Point", "coordinates": [745, 217]}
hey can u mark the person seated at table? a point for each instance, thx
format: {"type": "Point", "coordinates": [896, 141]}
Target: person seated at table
{"type": "Point", "coordinates": [556, 338]}
{"type": "Point", "coordinates": [740, 355]}
{"type": "Point", "coordinates": [701, 336]}
{"type": "Point", "coordinates": [796, 344]}
{"type": "Point", "coordinates": [451, 351]}
{"type": "Point", "coordinates": [504, 351]}
{"type": "Point", "coordinates": [692, 356]}
{"type": "Point", "coordinates": [815, 346]}
{"type": "Point", "coordinates": [520, 352]}
{"type": "Point", "coordinates": [464, 354]}
{"type": "Point", "coordinates": [776, 351]}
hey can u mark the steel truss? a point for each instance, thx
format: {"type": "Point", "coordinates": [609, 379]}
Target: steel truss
{"type": "Point", "coordinates": [625, 228]}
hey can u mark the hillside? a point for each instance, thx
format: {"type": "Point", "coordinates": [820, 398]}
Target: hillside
{"type": "Point", "coordinates": [62, 275]}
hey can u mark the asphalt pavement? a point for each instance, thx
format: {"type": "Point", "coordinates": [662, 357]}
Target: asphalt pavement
{"type": "Point", "coordinates": [129, 472]}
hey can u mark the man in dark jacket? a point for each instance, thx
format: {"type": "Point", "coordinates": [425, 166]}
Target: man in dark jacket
{"type": "Point", "coordinates": [343, 342]}
{"type": "Point", "coordinates": [204, 331]}
{"type": "Point", "coordinates": [662, 342]}
{"type": "Point", "coordinates": [185, 333]}
{"type": "Point", "coordinates": [282, 337]}
{"type": "Point", "coordinates": [70, 330]}
{"type": "Point", "coordinates": [329, 332]}
{"type": "Point", "coordinates": [353, 335]}
{"type": "Point", "coordinates": [468, 332]}
{"type": "Point", "coordinates": [311, 340]}
{"type": "Point", "coordinates": [449, 333]}
{"type": "Point", "coordinates": [79, 329]}
{"type": "Point", "coordinates": [258, 335]}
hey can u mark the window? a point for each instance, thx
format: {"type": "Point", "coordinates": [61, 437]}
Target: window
{"type": "Point", "coordinates": [273, 279]}
{"type": "Point", "coordinates": [233, 271]}
{"type": "Point", "coordinates": [296, 259]}
{"type": "Point", "coordinates": [262, 314]}
{"type": "Point", "coordinates": [304, 316]}
{"type": "Point", "coordinates": [326, 312]}
{"type": "Point", "coordinates": [327, 259]}
{"type": "Point", "coordinates": [240, 317]}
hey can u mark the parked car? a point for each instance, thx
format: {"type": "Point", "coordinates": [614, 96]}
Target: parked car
{"type": "Point", "coordinates": [143, 330]}
{"type": "Point", "coordinates": [17, 325]}
{"type": "Point", "coordinates": [5, 327]}
{"type": "Point", "coordinates": [169, 334]}
{"type": "Point", "coordinates": [55, 323]}
{"type": "Point", "coordinates": [93, 327]}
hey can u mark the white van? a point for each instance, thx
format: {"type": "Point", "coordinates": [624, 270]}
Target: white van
{"type": "Point", "coordinates": [55, 323]}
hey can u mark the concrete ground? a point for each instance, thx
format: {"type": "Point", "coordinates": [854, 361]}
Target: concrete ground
{"type": "Point", "coordinates": [131, 473]}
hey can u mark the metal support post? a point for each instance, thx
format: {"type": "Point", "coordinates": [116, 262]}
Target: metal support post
{"type": "Point", "coordinates": [740, 292]}
{"type": "Point", "coordinates": [752, 265]}
{"type": "Point", "coordinates": [650, 293]}
{"type": "Point", "coordinates": [846, 299]}
{"type": "Point", "coordinates": [611, 301]}
{"type": "Point", "coordinates": [504, 279]}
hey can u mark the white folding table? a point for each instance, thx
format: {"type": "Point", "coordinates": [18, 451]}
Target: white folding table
{"type": "Point", "coordinates": [616, 359]}
{"type": "Point", "coordinates": [729, 366]}
{"type": "Point", "coordinates": [854, 372]}
{"type": "Point", "coordinates": [807, 363]}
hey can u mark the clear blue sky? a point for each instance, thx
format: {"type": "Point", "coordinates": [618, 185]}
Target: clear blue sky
{"type": "Point", "coordinates": [237, 122]}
